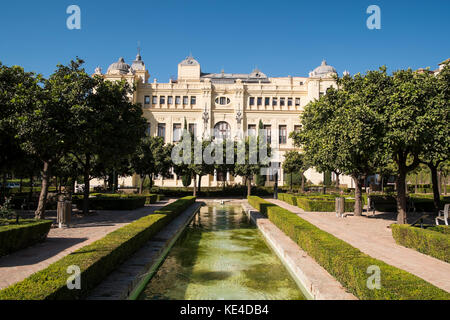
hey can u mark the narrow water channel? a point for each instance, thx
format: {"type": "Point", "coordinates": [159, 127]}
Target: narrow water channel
{"type": "Point", "coordinates": [221, 255]}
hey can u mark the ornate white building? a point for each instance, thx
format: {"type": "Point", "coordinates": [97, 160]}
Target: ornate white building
{"type": "Point", "coordinates": [223, 103]}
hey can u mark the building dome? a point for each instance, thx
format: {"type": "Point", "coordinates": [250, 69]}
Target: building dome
{"type": "Point", "coordinates": [119, 67]}
{"type": "Point", "coordinates": [189, 61]}
{"type": "Point", "coordinates": [323, 70]}
{"type": "Point", "coordinates": [257, 74]}
{"type": "Point", "coordinates": [138, 64]}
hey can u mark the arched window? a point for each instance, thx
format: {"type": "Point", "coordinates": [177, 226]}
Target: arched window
{"type": "Point", "coordinates": [222, 130]}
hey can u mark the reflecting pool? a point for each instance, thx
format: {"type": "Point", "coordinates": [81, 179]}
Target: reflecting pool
{"type": "Point", "coordinates": [221, 255]}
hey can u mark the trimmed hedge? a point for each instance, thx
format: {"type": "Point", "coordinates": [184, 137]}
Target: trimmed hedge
{"type": "Point", "coordinates": [14, 237]}
{"type": "Point", "coordinates": [96, 260]}
{"type": "Point", "coordinates": [112, 202]}
{"type": "Point", "coordinates": [322, 203]}
{"type": "Point", "coordinates": [430, 241]}
{"type": "Point", "coordinates": [345, 262]}
{"type": "Point", "coordinates": [289, 198]}
{"type": "Point", "coordinates": [441, 229]}
{"type": "Point", "coordinates": [214, 192]}
{"type": "Point", "coordinates": [152, 198]}
{"type": "Point", "coordinates": [388, 203]}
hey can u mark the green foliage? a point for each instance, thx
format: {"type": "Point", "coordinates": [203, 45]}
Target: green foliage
{"type": "Point", "coordinates": [294, 162]}
{"type": "Point", "coordinates": [215, 192]}
{"type": "Point", "coordinates": [289, 198]}
{"type": "Point", "coordinates": [441, 229]}
{"type": "Point", "coordinates": [254, 159]}
{"type": "Point", "coordinates": [152, 157]}
{"type": "Point", "coordinates": [322, 205]}
{"type": "Point", "coordinates": [6, 210]}
{"type": "Point", "coordinates": [346, 263]}
{"type": "Point", "coordinates": [96, 260]}
{"type": "Point", "coordinates": [319, 203]}
{"type": "Point", "coordinates": [112, 202]}
{"type": "Point", "coordinates": [388, 203]}
{"type": "Point", "coordinates": [427, 241]}
{"type": "Point", "coordinates": [18, 236]}
{"type": "Point", "coordinates": [186, 180]}
{"type": "Point", "coordinates": [260, 180]}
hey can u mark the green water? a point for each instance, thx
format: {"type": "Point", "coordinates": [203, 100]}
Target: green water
{"type": "Point", "coordinates": [221, 255]}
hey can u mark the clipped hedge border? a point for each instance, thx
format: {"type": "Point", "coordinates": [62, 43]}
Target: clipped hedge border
{"type": "Point", "coordinates": [112, 202]}
{"type": "Point", "coordinates": [14, 237]}
{"type": "Point", "coordinates": [345, 262]}
{"type": "Point", "coordinates": [441, 229]}
{"type": "Point", "coordinates": [323, 203]}
{"type": "Point", "coordinates": [96, 260]}
{"type": "Point", "coordinates": [434, 242]}
{"type": "Point", "coordinates": [289, 198]}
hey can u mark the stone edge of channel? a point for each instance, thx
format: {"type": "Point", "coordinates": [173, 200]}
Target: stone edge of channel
{"type": "Point", "coordinates": [127, 277]}
{"type": "Point", "coordinates": [318, 283]}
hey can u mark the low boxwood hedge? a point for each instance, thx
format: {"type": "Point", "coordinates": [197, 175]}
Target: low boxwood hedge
{"type": "Point", "coordinates": [434, 242]}
{"type": "Point", "coordinates": [96, 260]}
{"type": "Point", "coordinates": [14, 237]}
{"type": "Point", "coordinates": [319, 203]}
{"type": "Point", "coordinates": [441, 229]}
{"type": "Point", "coordinates": [345, 262]}
{"type": "Point", "coordinates": [152, 198]}
{"type": "Point", "coordinates": [422, 203]}
{"type": "Point", "coordinates": [111, 202]}
{"type": "Point", "coordinates": [115, 201]}
{"type": "Point", "coordinates": [289, 198]}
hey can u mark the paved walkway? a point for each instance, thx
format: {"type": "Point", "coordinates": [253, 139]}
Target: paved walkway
{"type": "Point", "coordinates": [372, 236]}
{"type": "Point", "coordinates": [60, 242]}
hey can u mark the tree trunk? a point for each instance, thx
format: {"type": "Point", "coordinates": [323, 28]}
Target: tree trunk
{"type": "Point", "coordinates": [199, 184]}
{"type": "Point", "coordinates": [435, 184]}
{"type": "Point", "coordinates": [60, 184]}
{"type": "Point", "coordinates": [401, 196]}
{"type": "Point", "coordinates": [195, 184]}
{"type": "Point", "coordinates": [4, 185]}
{"type": "Point", "coordinates": [20, 187]}
{"type": "Point", "coordinates": [445, 185]}
{"type": "Point", "coordinates": [40, 211]}
{"type": "Point", "coordinates": [224, 180]}
{"type": "Point", "coordinates": [303, 182]}
{"type": "Point", "coordinates": [141, 183]}
{"type": "Point", "coordinates": [151, 181]}
{"type": "Point", "coordinates": [290, 185]}
{"type": "Point", "coordinates": [358, 196]}
{"type": "Point", "coordinates": [86, 180]}
{"type": "Point", "coordinates": [249, 187]}
{"type": "Point", "coordinates": [30, 194]}
{"type": "Point", "coordinates": [337, 179]}
{"type": "Point", "coordinates": [415, 188]}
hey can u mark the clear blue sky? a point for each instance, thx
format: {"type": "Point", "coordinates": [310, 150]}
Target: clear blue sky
{"type": "Point", "coordinates": [279, 37]}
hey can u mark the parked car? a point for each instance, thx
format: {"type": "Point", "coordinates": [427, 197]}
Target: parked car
{"type": "Point", "coordinates": [11, 185]}
{"type": "Point", "coordinates": [79, 188]}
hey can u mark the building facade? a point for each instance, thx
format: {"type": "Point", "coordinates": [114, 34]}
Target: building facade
{"type": "Point", "coordinates": [223, 104]}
